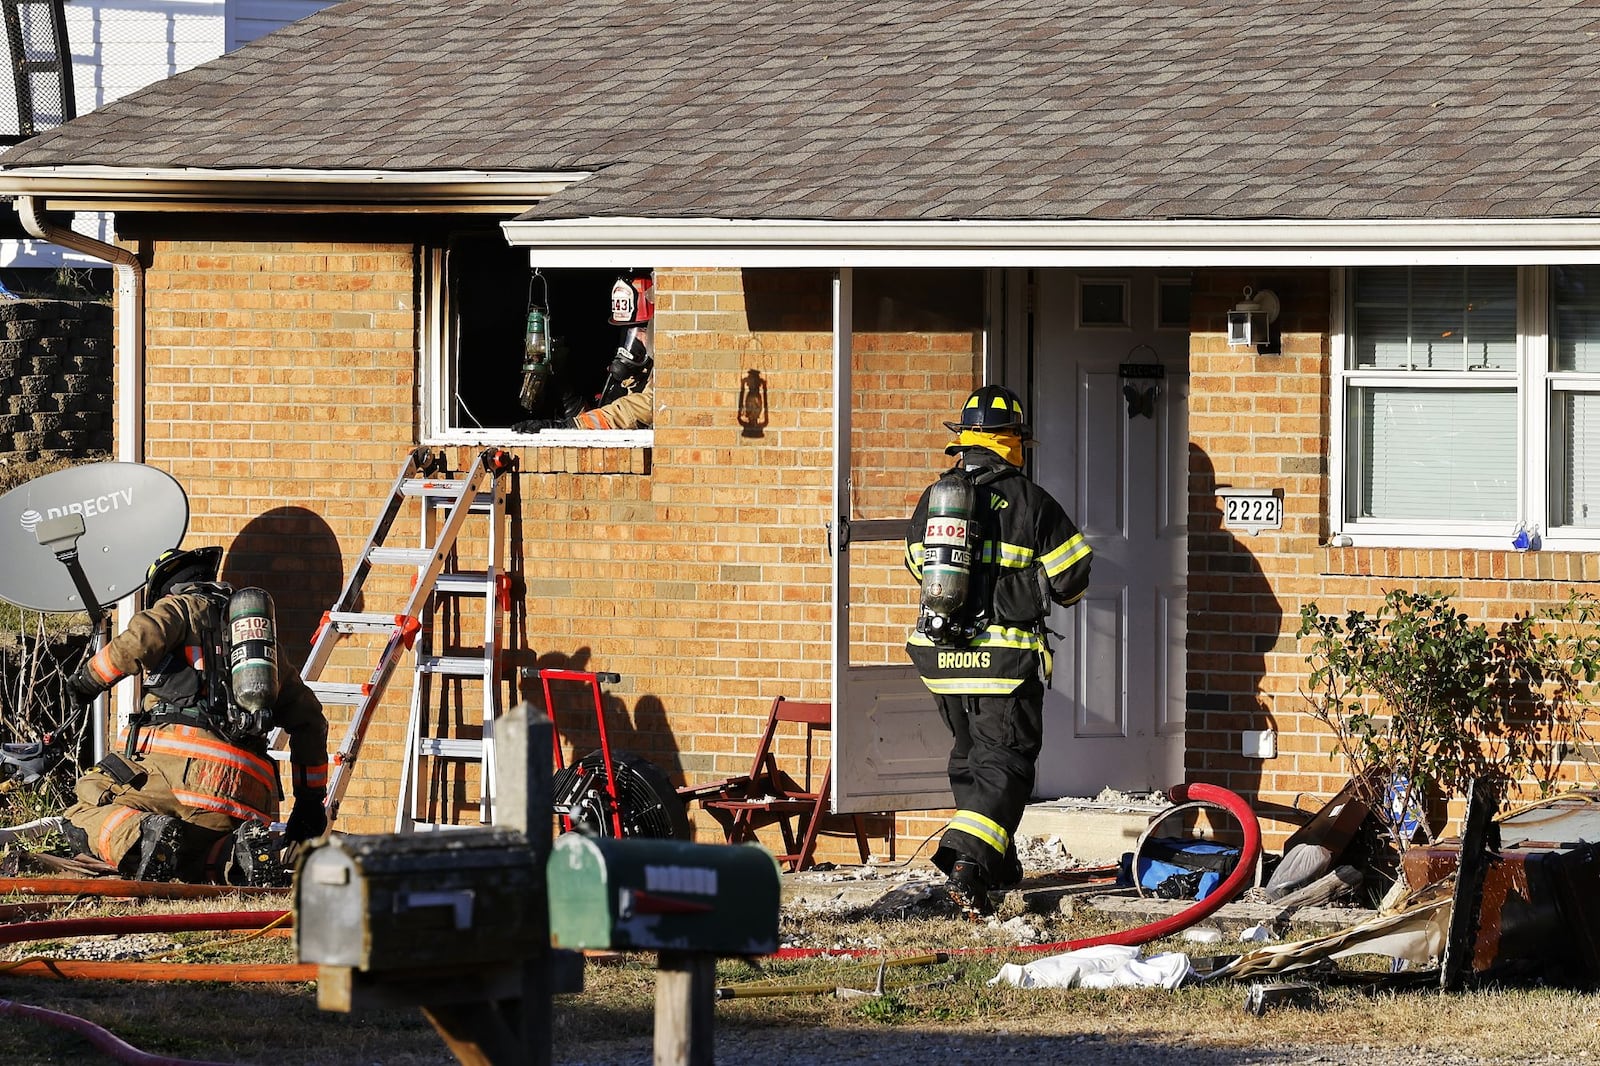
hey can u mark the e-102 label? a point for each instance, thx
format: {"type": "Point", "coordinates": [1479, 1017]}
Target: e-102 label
{"type": "Point", "coordinates": [1253, 512]}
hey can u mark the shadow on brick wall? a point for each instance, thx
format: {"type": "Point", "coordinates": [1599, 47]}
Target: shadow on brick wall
{"type": "Point", "coordinates": [643, 731]}
{"type": "Point", "coordinates": [293, 554]}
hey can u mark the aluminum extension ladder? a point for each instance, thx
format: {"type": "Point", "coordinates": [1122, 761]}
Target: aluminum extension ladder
{"type": "Point", "coordinates": [446, 504]}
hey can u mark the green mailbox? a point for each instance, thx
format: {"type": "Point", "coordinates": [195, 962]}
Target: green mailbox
{"type": "Point", "coordinates": [650, 894]}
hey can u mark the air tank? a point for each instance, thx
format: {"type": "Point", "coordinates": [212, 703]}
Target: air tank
{"type": "Point", "coordinates": [253, 638]}
{"type": "Point", "coordinates": [949, 542]}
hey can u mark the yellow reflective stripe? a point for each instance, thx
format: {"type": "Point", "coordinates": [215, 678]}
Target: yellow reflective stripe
{"type": "Point", "coordinates": [993, 637]}
{"type": "Point", "coordinates": [1006, 637]}
{"type": "Point", "coordinates": [1074, 550]}
{"type": "Point", "coordinates": [1021, 639]}
{"type": "Point", "coordinates": [1015, 555]}
{"type": "Point", "coordinates": [972, 686]}
{"type": "Point", "coordinates": [978, 827]}
{"type": "Point", "coordinates": [914, 559]}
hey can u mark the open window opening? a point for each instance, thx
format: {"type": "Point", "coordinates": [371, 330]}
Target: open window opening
{"type": "Point", "coordinates": [519, 350]}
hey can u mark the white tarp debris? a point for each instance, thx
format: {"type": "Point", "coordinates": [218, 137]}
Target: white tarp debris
{"type": "Point", "coordinates": [1416, 936]}
{"type": "Point", "coordinates": [1104, 966]}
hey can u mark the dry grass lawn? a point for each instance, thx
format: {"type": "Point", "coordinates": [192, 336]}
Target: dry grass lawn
{"type": "Point", "coordinates": [612, 1020]}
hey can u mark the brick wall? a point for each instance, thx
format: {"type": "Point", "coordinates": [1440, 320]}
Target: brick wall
{"type": "Point", "coordinates": [1262, 421]}
{"type": "Point", "coordinates": [700, 572]}
{"type": "Point", "coordinates": [280, 393]}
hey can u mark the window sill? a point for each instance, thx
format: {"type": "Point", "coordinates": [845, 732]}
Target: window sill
{"type": "Point", "coordinates": [1499, 542]}
{"type": "Point", "coordinates": [547, 438]}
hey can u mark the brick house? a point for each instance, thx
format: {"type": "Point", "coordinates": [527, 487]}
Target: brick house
{"type": "Point", "coordinates": [327, 243]}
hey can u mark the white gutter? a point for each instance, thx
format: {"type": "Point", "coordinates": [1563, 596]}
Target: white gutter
{"type": "Point", "coordinates": [129, 358]}
{"type": "Point", "coordinates": [622, 242]}
{"type": "Point", "coordinates": [152, 188]}
{"type": "Point", "coordinates": [130, 319]}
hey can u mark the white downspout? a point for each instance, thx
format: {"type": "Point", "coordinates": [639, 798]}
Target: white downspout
{"type": "Point", "coordinates": [129, 358]}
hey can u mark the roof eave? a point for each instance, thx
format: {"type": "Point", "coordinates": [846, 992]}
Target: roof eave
{"type": "Point", "coordinates": [97, 188]}
{"type": "Point", "coordinates": [711, 242]}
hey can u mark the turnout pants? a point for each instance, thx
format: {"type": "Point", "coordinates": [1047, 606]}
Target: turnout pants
{"type": "Point", "coordinates": [994, 751]}
{"type": "Point", "coordinates": [183, 771]}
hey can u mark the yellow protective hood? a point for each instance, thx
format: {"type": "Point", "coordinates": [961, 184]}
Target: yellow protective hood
{"type": "Point", "coordinates": [1007, 446]}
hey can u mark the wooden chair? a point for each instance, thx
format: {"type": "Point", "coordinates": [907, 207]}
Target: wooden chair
{"type": "Point", "coordinates": [767, 795]}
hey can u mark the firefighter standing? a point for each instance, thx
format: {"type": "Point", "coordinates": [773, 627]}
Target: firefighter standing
{"type": "Point", "coordinates": [197, 790]}
{"type": "Point", "coordinates": [1008, 550]}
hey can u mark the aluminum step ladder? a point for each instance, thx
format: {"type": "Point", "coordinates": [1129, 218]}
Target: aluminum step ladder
{"type": "Point", "coordinates": [446, 503]}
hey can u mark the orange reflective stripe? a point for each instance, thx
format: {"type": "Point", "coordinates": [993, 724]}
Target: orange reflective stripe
{"type": "Point", "coordinates": [205, 801]}
{"type": "Point", "coordinates": [187, 742]}
{"type": "Point", "coordinates": [311, 776]}
{"type": "Point", "coordinates": [104, 669]}
{"type": "Point", "coordinates": [102, 843]}
{"type": "Point", "coordinates": [592, 420]}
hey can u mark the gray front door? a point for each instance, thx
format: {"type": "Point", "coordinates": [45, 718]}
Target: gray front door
{"type": "Point", "coordinates": [1113, 448]}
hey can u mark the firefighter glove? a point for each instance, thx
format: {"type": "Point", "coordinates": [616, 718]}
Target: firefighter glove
{"type": "Point", "coordinates": [83, 687]}
{"type": "Point", "coordinates": [534, 425]}
{"type": "Point", "coordinates": [309, 818]}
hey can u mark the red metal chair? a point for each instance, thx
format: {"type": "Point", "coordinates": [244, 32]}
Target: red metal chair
{"type": "Point", "coordinates": [769, 796]}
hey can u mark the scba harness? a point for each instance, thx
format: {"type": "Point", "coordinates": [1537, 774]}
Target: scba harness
{"type": "Point", "coordinates": [955, 603]}
{"type": "Point", "coordinates": [965, 586]}
{"type": "Point", "coordinates": [193, 688]}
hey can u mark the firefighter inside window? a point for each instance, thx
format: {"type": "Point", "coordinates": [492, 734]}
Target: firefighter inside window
{"type": "Point", "coordinates": [625, 400]}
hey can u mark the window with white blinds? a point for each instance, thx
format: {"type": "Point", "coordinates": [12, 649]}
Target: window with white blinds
{"type": "Point", "coordinates": [1431, 400]}
{"type": "Point", "coordinates": [1574, 396]}
{"type": "Point", "coordinates": [1469, 401]}
{"type": "Point", "coordinates": [1437, 454]}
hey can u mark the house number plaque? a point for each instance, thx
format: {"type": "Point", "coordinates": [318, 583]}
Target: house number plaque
{"type": "Point", "coordinates": [1251, 510]}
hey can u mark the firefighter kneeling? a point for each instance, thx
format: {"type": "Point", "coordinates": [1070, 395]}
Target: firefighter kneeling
{"type": "Point", "coordinates": [194, 791]}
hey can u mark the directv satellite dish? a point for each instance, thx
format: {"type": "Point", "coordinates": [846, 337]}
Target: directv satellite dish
{"type": "Point", "coordinates": [102, 523]}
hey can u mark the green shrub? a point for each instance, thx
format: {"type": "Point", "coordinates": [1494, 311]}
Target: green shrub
{"type": "Point", "coordinates": [1421, 699]}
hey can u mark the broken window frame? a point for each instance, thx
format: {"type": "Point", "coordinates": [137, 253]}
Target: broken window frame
{"type": "Point", "coordinates": [440, 365]}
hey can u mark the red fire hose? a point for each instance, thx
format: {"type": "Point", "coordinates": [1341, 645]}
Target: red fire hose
{"type": "Point", "coordinates": [21, 932]}
{"type": "Point", "coordinates": [1243, 872]}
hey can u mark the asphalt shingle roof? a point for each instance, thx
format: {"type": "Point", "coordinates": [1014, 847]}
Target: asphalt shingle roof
{"type": "Point", "coordinates": [894, 109]}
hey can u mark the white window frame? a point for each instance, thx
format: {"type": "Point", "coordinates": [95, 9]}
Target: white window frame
{"type": "Point", "coordinates": [1535, 384]}
{"type": "Point", "coordinates": [438, 379]}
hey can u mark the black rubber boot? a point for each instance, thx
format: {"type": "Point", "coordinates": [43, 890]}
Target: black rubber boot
{"type": "Point", "coordinates": [1011, 872]}
{"type": "Point", "coordinates": [160, 836]}
{"type": "Point", "coordinates": [969, 889]}
{"type": "Point", "coordinates": [255, 858]}
{"type": "Point", "coordinates": [77, 840]}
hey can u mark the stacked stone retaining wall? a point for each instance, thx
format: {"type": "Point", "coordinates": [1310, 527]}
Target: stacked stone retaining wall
{"type": "Point", "coordinates": [55, 377]}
